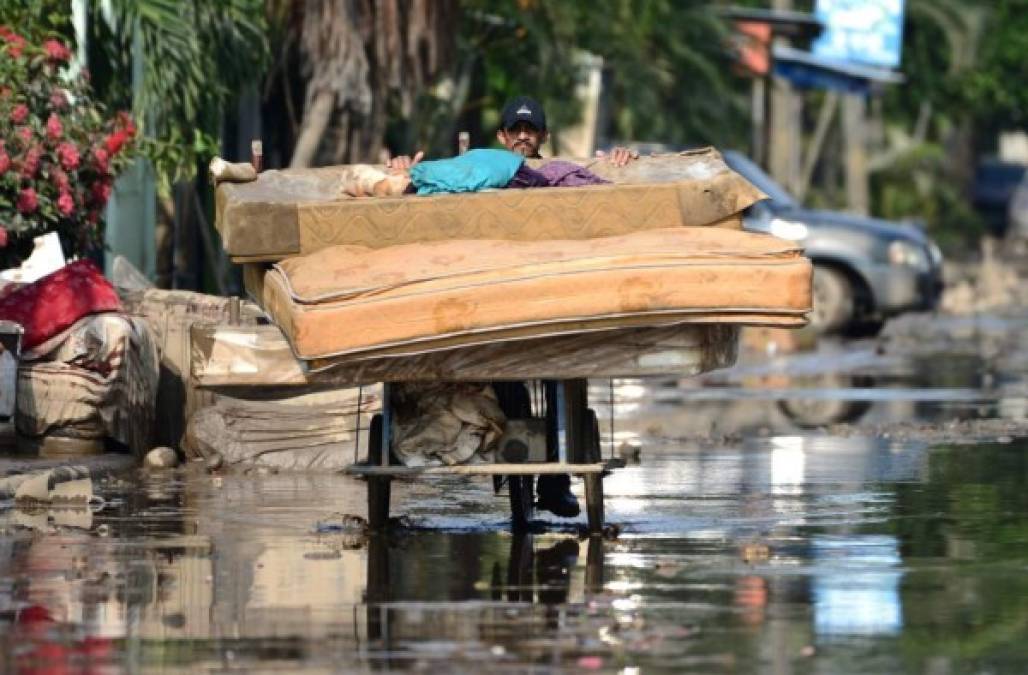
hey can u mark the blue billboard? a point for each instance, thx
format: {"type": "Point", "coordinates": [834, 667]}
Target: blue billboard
{"type": "Point", "coordinates": [868, 32]}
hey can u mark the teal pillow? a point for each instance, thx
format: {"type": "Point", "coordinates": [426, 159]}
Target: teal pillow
{"type": "Point", "coordinates": [470, 172]}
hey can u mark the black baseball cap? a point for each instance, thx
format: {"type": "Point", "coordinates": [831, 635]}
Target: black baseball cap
{"type": "Point", "coordinates": [523, 109]}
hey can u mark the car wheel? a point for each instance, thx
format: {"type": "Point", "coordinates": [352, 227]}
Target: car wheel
{"type": "Point", "coordinates": [811, 413]}
{"type": "Point", "coordinates": [814, 413]}
{"type": "Point", "coordinates": [832, 299]}
{"type": "Point", "coordinates": [865, 328]}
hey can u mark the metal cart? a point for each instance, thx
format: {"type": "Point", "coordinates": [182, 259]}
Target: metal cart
{"type": "Point", "coordinates": [573, 438]}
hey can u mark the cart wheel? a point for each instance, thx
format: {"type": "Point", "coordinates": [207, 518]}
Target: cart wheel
{"type": "Point", "coordinates": [378, 486]}
{"type": "Point", "coordinates": [522, 501]}
{"type": "Point", "coordinates": [593, 481]}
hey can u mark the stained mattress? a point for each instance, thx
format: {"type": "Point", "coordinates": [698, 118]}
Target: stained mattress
{"type": "Point", "coordinates": [301, 211]}
{"type": "Point", "coordinates": [353, 302]}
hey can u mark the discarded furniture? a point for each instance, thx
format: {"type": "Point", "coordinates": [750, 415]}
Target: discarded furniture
{"type": "Point", "coordinates": [647, 275]}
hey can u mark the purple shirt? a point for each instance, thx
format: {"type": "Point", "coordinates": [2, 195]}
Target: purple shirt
{"type": "Point", "coordinates": [557, 173]}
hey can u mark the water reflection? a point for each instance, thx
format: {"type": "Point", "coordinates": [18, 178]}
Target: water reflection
{"type": "Point", "coordinates": [796, 554]}
{"type": "Point", "coordinates": [856, 585]}
{"type": "Point", "coordinates": [963, 370]}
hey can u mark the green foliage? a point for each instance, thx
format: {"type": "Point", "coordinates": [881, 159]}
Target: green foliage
{"type": "Point", "coordinates": [666, 75]}
{"type": "Point", "coordinates": [196, 57]}
{"type": "Point", "coordinates": [971, 512]}
{"type": "Point", "coordinates": [670, 76]}
{"type": "Point", "coordinates": [525, 48]}
{"type": "Point", "coordinates": [918, 186]}
{"type": "Point", "coordinates": [963, 62]}
{"type": "Point", "coordinates": [927, 63]}
{"type": "Point", "coordinates": [994, 90]}
{"type": "Point", "coordinates": [37, 20]}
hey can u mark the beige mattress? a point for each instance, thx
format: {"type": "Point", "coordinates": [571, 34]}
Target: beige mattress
{"type": "Point", "coordinates": [301, 211]}
{"type": "Point", "coordinates": [227, 357]}
{"type": "Point", "coordinates": [356, 302]}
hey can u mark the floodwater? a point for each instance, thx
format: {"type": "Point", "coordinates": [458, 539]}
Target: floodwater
{"type": "Point", "coordinates": [786, 550]}
{"type": "Point", "coordinates": [792, 554]}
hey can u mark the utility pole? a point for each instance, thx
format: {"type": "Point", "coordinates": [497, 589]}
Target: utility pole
{"type": "Point", "coordinates": [786, 136]}
{"type": "Point", "coordinates": [854, 131]}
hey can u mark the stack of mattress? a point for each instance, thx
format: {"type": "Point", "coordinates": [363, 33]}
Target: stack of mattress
{"type": "Point", "coordinates": [435, 287]}
{"type": "Point", "coordinates": [348, 303]}
{"type": "Point", "coordinates": [301, 211]}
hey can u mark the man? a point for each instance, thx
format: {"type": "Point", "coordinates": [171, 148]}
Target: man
{"type": "Point", "coordinates": [523, 130]}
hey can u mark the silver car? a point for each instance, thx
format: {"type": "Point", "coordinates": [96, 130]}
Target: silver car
{"type": "Point", "coordinates": [865, 269]}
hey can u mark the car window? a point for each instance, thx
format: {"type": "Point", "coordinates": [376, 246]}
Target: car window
{"type": "Point", "coordinates": [754, 174]}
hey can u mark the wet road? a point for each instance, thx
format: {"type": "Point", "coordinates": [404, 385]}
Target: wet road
{"type": "Point", "coordinates": [746, 543]}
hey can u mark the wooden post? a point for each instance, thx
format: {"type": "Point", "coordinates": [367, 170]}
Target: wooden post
{"type": "Point", "coordinates": [758, 121]}
{"type": "Point", "coordinates": [854, 129]}
{"type": "Point", "coordinates": [824, 121]}
{"type": "Point", "coordinates": [786, 133]}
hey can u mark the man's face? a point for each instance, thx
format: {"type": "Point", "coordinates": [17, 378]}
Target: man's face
{"type": "Point", "coordinates": [522, 138]}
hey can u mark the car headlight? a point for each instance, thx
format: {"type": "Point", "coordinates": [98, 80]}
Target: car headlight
{"type": "Point", "coordinates": [787, 229]}
{"type": "Point", "coordinates": [908, 254]}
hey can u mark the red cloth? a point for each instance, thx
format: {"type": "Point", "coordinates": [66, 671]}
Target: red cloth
{"type": "Point", "coordinates": [55, 302]}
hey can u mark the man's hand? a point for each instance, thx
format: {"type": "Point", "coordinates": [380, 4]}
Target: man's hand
{"type": "Point", "coordinates": [619, 156]}
{"type": "Point", "coordinates": [405, 162]}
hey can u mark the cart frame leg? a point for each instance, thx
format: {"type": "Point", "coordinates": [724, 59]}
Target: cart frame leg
{"type": "Point", "coordinates": [590, 435]}
{"type": "Point", "coordinates": [594, 502]}
{"type": "Point", "coordinates": [379, 489]}
{"type": "Point", "coordinates": [522, 502]}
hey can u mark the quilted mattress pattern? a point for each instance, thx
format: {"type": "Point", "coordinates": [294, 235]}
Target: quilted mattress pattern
{"type": "Point", "coordinates": [355, 301]}
{"type": "Point", "coordinates": [301, 211]}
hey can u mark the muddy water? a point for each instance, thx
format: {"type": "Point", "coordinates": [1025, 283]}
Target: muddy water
{"type": "Point", "coordinates": [786, 554]}
{"type": "Point", "coordinates": [752, 535]}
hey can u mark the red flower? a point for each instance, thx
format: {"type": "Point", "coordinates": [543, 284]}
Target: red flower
{"type": "Point", "coordinates": [25, 133]}
{"type": "Point", "coordinates": [58, 100]}
{"type": "Point", "coordinates": [125, 122]}
{"type": "Point", "coordinates": [20, 112]}
{"type": "Point", "coordinates": [116, 140]}
{"type": "Point", "coordinates": [54, 128]}
{"type": "Point", "coordinates": [27, 200]}
{"type": "Point", "coordinates": [15, 44]}
{"type": "Point", "coordinates": [3, 236]}
{"type": "Point", "coordinates": [60, 179]}
{"type": "Point", "coordinates": [30, 164]}
{"type": "Point", "coordinates": [56, 51]}
{"type": "Point", "coordinates": [101, 192]}
{"type": "Point", "coordinates": [5, 162]}
{"type": "Point", "coordinates": [68, 156]}
{"type": "Point", "coordinates": [100, 155]}
{"type": "Point", "coordinates": [65, 203]}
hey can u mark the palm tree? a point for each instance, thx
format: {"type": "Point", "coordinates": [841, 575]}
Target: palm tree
{"type": "Point", "coordinates": [178, 64]}
{"type": "Point", "coordinates": [362, 63]}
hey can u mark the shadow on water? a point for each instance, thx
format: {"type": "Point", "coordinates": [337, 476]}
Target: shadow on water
{"type": "Point", "coordinates": [792, 554]}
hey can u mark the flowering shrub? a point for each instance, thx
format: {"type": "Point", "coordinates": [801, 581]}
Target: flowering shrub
{"type": "Point", "coordinates": [59, 150]}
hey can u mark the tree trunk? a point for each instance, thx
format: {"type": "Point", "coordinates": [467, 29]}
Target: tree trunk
{"type": "Point", "coordinates": [363, 59]}
{"type": "Point", "coordinates": [315, 120]}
